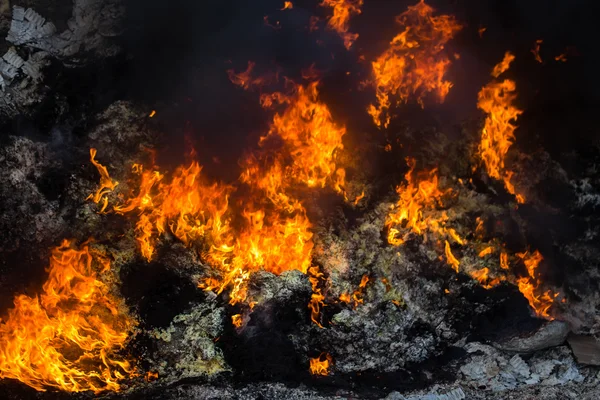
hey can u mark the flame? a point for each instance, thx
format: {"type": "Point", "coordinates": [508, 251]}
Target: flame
{"type": "Point", "coordinates": [345, 298]}
{"type": "Point", "coordinates": [411, 213]}
{"type": "Point", "coordinates": [530, 285]}
{"type": "Point", "coordinates": [536, 50]}
{"type": "Point", "coordinates": [504, 65]}
{"type": "Point", "coordinates": [496, 100]}
{"type": "Point", "coordinates": [152, 113]}
{"type": "Point", "coordinates": [561, 57]}
{"type": "Point", "coordinates": [245, 79]}
{"type": "Point", "coordinates": [151, 376]}
{"type": "Point", "coordinates": [271, 230]}
{"type": "Point", "coordinates": [69, 335]}
{"type": "Point", "coordinates": [481, 31]}
{"type": "Point", "coordinates": [320, 365]}
{"type": "Point", "coordinates": [237, 320]}
{"type": "Point", "coordinates": [487, 251]}
{"type": "Point", "coordinates": [504, 260]}
{"type": "Point", "coordinates": [317, 298]}
{"type": "Point", "coordinates": [482, 276]}
{"type": "Point", "coordinates": [340, 20]}
{"type": "Point", "coordinates": [287, 5]}
{"type": "Point", "coordinates": [414, 64]}
{"type": "Point", "coordinates": [450, 259]}
{"type": "Point", "coordinates": [107, 185]}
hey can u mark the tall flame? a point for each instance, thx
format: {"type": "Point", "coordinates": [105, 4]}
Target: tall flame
{"type": "Point", "coordinates": [340, 20]}
{"type": "Point", "coordinates": [496, 99]}
{"type": "Point", "coordinates": [68, 336]}
{"type": "Point", "coordinates": [530, 285]}
{"type": "Point", "coordinates": [414, 64]}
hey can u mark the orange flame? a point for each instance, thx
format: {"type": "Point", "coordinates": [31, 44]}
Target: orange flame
{"type": "Point", "coordinates": [561, 57]}
{"type": "Point", "coordinates": [237, 320]}
{"type": "Point", "coordinates": [481, 31]}
{"type": "Point", "coordinates": [317, 298]}
{"type": "Point", "coordinates": [504, 260]}
{"type": "Point", "coordinates": [504, 65]}
{"type": "Point", "coordinates": [340, 20]}
{"type": "Point", "coordinates": [69, 335]}
{"type": "Point", "coordinates": [530, 285]}
{"type": "Point", "coordinates": [320, 365]}
{"type": "Point", "coordinates": [414, 63]}
{"type": "Point", "coordinates": [107, 185]}
{"type": "Point", "coordinates": [416, 197]}
{"type": "Point", "coordinates": [485, 252]}
{"type": "Point", "coordinates": [496, 100]}
{"type": "Point", "coordinates": [482, 276]}
{"type": "Point", "coordinates": [287, 5]}
{"type": "Point", "coordinates": [151, 376]}
{"type": "Point", "coordinates": [450, 259]}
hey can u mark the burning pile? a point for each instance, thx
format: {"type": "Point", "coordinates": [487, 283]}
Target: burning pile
{"type": "Point", "coordinates": [70, 336]}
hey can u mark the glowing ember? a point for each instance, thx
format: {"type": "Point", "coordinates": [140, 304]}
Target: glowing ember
{"type": "Point", "coordinates": [340, 20]}
{"type": "Point", "coordinates": [68, 336]}
{"type": "Point", "coordinates": [561, 57]}
{"type": "Point", "coordinates": [481, 31]}
{"type": "Point", "coordinates": [530, 285]}
{"type": "Point", "coordinates": [152, 114]}
{"type": "Point", "coordinates": [536, 50]}
{"type": "Point", "coordinates": [287, 5]}
{"type": "Point", "coordinates": [320, 365]}
{"type": "Point", "coordinates": [504, 260]}
{"type": "Point", "coordinates": [151, 376]}
{"type": "Point", "coordinates": [414, 64]}
{"type": "Point", "coordinates": [496, 100]}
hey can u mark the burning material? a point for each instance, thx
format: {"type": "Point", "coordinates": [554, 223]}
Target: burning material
{"type": "Point", "coordinates": [320, 365]}
{"type": "Point", "coordinates": [287, 5]}
{"type": "Point", "coordinates": [317, 298]}
{"type": "Point", "coordinates": [68, 336]}
{"type": "Point", "coordinates": [496, 99]}
{"type": "Point", "coordinates": [358, 295]}
{"type": "Point", "coordinates": [503, 65]}
{"type": "Point", "coordinates": [450, 259]}
{"type": "Point", "coordinates": [340, 20]}
{"type": "Point", "coordinates": [485, 252]}
{"type": "Point", "coordinates": [237, 320]}
{"type": "Point", "coordinates": [530, 285]}
{"type": "Point", "coordinates": [412, 213]}
{"type": "Point", "coordinates": [414, 64]}
{"type": "Point", "coordinates": [107, 185]}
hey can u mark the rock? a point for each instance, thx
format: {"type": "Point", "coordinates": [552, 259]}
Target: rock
{"type": "Point", "coordinates": [553, 333]}
{"type": "Point", "coordinates": [585, 348]}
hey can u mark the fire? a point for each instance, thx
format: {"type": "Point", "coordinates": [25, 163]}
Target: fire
{"type": "Point", "coordinates": [340, 20]}
{"type": "Point", "coordinates": [152, 114]}
{"type": "Point", "coordinates": [317, 298]}
{"type": "Point", "coordinates": [412, 213]}
{"type": "Point", "coordinates": [107, 185]}
{"type": "Point", "coordinates": [561, 57]}
{"type": "Point", "coordinates": [320, 365]}
{"type": "Point", "coordinates": [504, 65]}
{"type": "Point", "coordinates": [482, 276]}
{"type": "Point", "coordinates": [496, 100]}
{"type": "Point", "coordinates": [237, 320]}
{"type": "Point", "coordinates": [481, 31]}
{"type": "Point", "coordinates": [151, 376]}
{"type": "Point", "coordinates": [504, 260]}
{"type": "Point", "coordinates": [68, 336]}
{"type": "Point", "coordinates": [357, 295]}
{"type": "Point", "coordinates": [267, 227]}
{"type": "Point", "coordinates": [536, 50]}
{"type": "Point", "coordinates": [245, 79]}
{"type": "Point", "coordinates": [287, 5]}
{"type": "Point", "coordinates": [530, 285]}
{"type": "Point", "coordinates": [450, 259]}
{"type": "Point", "coordinates": [485, 252]}
{"type": "Point", "coordinates": [414, 64]}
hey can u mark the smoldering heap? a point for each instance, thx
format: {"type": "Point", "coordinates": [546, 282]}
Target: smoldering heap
{"type": "Point", "coordinates": [308, 277]}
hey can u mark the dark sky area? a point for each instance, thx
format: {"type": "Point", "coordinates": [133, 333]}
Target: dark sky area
{"type": "Point", "coordinates": [180, 50]}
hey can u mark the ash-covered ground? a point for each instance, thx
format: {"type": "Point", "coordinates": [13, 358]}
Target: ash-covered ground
{"type": "Point", "coordinates": [419, 331]}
